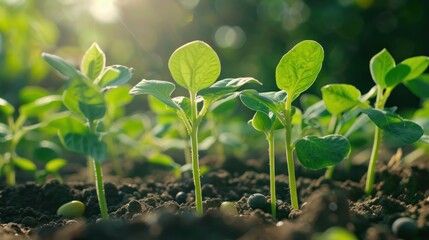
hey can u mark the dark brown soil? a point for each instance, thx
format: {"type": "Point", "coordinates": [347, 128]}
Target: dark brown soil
{"type": "Point", "coordinates": [147, 209]}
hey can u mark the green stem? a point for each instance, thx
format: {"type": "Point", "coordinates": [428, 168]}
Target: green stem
{"type": "Point", "coordinates": [329, 172]}
{"type": "Point", "coordinates": [270, 138]}
{"type": "Point", "coordinates": [100, 189]}
{"type": "Point", "coordinates": [194, 154]}
{"type": "Point", "coordinates": [10, 173]}
{"type": "Point", "coordinates": [90, 165]}
{"type": "Point", "coordinates": [289, 154]}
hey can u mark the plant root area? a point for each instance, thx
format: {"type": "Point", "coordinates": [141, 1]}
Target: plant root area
{"type": "Point", "coordinates": [148, 209]}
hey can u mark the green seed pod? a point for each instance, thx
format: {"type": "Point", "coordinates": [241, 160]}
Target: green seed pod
{"type": "Point", "coordinates": [71, 209]}
{"type": "Point", "coordinates": [228, 208]}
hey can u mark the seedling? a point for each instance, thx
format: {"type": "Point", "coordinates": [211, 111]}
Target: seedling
{"type": "Point", "coordinates": [196, 67]}
{"type": "Point", "coordinates": [13, 130]}
{"type": "Point", "coordinates": [295, 73]}
{"type": "Point", "coordinates": [84, 98]}
{"type": "Point", "coordinates": [387, 75]}
{"type": "Point", "coordinates": [268, 124]}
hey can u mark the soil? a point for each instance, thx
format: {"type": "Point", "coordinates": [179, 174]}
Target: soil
{"type": "Point", "coordinates": [145, 207]}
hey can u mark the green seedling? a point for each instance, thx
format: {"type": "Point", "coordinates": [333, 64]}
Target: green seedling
{"type": "Point", "coordinates": [196, 67]}
{"type": "Point", "coordinates": [387, 75]}
{"type": "Point", "coordinates": [12, 131]}
{"type": "Point", "coordinates": [295, 73]}
{"type": "Point", "coordinates": [268, 124]}
{"type": "Point", "coordinates": [421, 116]}
{"type": "Point", "coordinates": [84, 97]}
{"type": "Point", "coordinates": [71, 209]}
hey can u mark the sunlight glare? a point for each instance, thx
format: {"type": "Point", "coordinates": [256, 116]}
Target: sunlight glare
{"type": "Point", "coordinates": [104, 10]}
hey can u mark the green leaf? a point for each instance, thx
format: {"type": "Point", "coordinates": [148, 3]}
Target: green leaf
{"type": "Point", "coordinates": [417, 66]}
{"type": "Point", "coordinates": [224, 87]}
{"type": "Point", "coordinates": [397, 130]}
{"type": "Point", "coordinates": [6, 108]}
{"type": "Point", "coordinates": [340, 97]}
{"type": "Point", "coordinates": [425, 139]}
{"type": "Point", "coordinates": [419, 86]}
{"type": "Point", "coordinates": [397, 74]}
{"type": "Point", "coordinates": [261, 122]}
{"type": "Point", "coordinates": [93, 62]}
{"type": "Point", "coordinates": [31, 93]}
{"type": "Point", "coordinates": [159, 89]}
{"type": "Point", "coordinates": [194, 66]}
{"type": "Point", "coordinates": [83, 98]}
{"type": "Point", "coordinates": [46, 151]}
{"type": "Point", "coordinates": [62, 66]}
{"type": "Point", "coordinates": [41, 106]}
{"type": "Point", "coordinates": [54, 165]}
{"type": "Point", "coordinates": [163, 160]}
{"type": "Point", "coordinates": [5, 133]}
{"type": "Point", "coordinates": [185, 104]}
{"type": "Point", "coordinates": [335, 233]}
{"type": "Point", "coordinates": [87, 144]}
{"type": "Point", "coordinates": [380, 65]}
{"type": "Point", "coordinates": [259, 101]}
{"type": "Point", "coordinates": [118, 97]}
{"type": "Point", "coordinates": [114, 76]}
{"type": "Point", "coordinates": [68, 124]}
{"type": "Point", "coordinates": [25, 164]}
{"type": "Point", "coordinates": [319, 152]}
{"type": "Point", "coordinates": [298, 69]}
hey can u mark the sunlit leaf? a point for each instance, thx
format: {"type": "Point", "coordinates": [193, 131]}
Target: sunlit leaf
{"type": "Point", "coordinates": [417, 66]}
{"type": "Point", "coordinates": [319, 152]}
{"type": "Point", "coordinates": [340, 97]}
{"type": "Point", "coordinates": [5, 133]}
{"type": "Point", "coordinates": [298, 68]}
{"type": "Point", "coordinates": [194, 66]}
{"type": "Point", "coordinates": [62, 66]}
{"type": "Point", "coordinates": [6, 108]}
{"type": "Point", "coordinates": [163, 160]}
{"type": "Point", "coordinates": [41, 105]}
{"type": "Point", "coordinates": [397, 74]}
{"type": "Point", "coordinates": [93, 62]}
{"type": "Point", "coordinates": [224, 87]}
{"type": "Point", "coordinates": [380, 65]}
{"type": "Point", "coordinates": [115, 75]}
{"type": "Point", "coordinates": [25, 164]}
{"type": "Point", "coordinates": [159, 89]}
{"type": "Point", "coordinates": [54, 165]}
{"type": "Point", "coordinates": [259, 102]}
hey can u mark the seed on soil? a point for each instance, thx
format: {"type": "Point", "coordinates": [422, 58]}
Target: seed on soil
{"type": "Point", "coordinates": [257, 201]}
{"type": "Point", "coordinates": [134, 207]}
{"type": "Point", "coordinates": [181, 197]}
{"type": "Point", "coordinates": [405, 228]}
{"type": "Point", "coordinates": [71, 209]}
{"type": "Point", "coordinates": [228, 208]}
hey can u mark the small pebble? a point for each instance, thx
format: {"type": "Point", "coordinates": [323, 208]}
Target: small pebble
{"type": "Point", "coordinates": [134, 207]}
{"type": "Point", "coordinates": [71, 209]}
{"type": "Point", "coordinates": [228, 208]}
{"type": "Point", "coordinates": [257, 201]}
{"type": "Point", "coordinates": [405, 228]}
{"type": "Point", "coordinates": [181, 197]}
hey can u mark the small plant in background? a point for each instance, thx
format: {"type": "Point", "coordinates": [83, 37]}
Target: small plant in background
{"type": "Point", "coordinates": [12, 131]}
{"type": "Point", "coordinates": [295, 73]}
{"type": "Point", "coordinates": [84, 97]}
{"type": "Point", "coordinates": [387, 75]}
{"type": "Point", "coordinates": [196, 67]}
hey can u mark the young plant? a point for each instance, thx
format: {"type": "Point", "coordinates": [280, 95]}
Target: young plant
{"type": "Point", "coordinates": [84, 97]}
{"type": "Point", "coordinates": [295, 73]}
{"type": "Point", "coordinates": [387, 75]}
{"type": "Point", "coordinates": [196, 67]}
{"type": "Point", "coordinates": [12, 131]}
{"type": "Point", "coordinates": [268, 124]}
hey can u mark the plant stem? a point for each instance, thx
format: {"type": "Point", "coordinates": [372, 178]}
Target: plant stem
{"type": "Point", "coordinates": [329, 172]}
{"type": "Point", "coordinates": [90, 165]}
{"type": "Point", "coordinates": [194, 154]}
{"type": "Point", "coordinates": [100, 189]}
{"type": "Point", "coordinates": [332, 128]}
{"type": "Point", "coordinates": [10, 173]}
{"type": "Point", "coordinates": [289, 153]}
{"type": "Point", "coordinates": [270, 138]}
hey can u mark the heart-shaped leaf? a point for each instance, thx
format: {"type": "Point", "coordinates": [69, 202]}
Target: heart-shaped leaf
{"type": "Point", "coordinates": [298, 69]}
{"type": "Point", "coordinates": [62, 66]}
{"type": "Point", "coordinates": [380, 65]}
{"type": "Point", "coordinates": [340, 97]}
{"type": "Point", "coordinates": [398, 130]}
{"type": "Point", "coordinates": [319, 152]}
{"type": "Point", "coordinates": [87, 144]}
{"type": "Point", "coordinates": [159, 89]}
{"type": "Point", "coordinates": [93, 62]}
{"type": "Point", "coordinates": [194, 66]}
{"type": "Point", "coordinates": [265, 123]}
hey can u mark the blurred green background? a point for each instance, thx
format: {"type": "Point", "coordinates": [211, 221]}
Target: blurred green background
{"type": "Point", "coordinates": [250, 36]}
